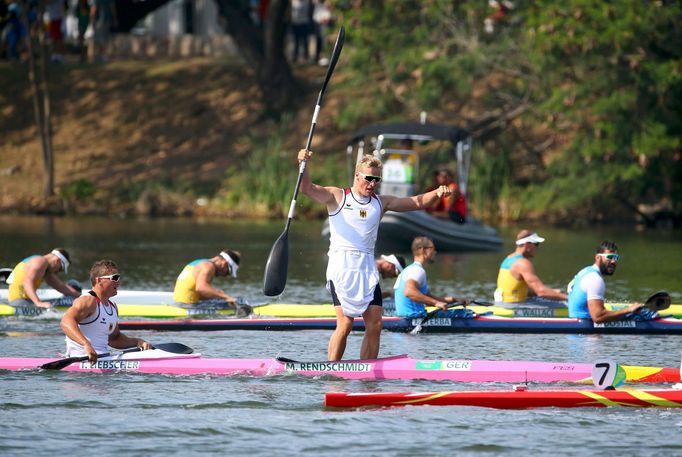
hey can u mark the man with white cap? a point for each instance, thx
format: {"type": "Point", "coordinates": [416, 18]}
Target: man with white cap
{"type": "Point", "coordinates": [390, 266]}
{"type": "Point", "coordinates": [517, 274]}
{"type": "Point", "coordinates": [193, 286]}
{"type": "Point", "coordinates": [30, 273]}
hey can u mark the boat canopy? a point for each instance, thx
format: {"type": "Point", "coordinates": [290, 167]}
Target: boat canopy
{"type": "Point", "coordinates": [414, 131]}
{"type": "Point", "coordinates": [401, 166]}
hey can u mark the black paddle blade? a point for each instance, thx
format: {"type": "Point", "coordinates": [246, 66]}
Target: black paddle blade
{"type": "Point", "coordinates": [275, 277]}
{"type": "Point", "coordinates": [62, 363]}
{"type": "Point", "coordinates": [175, 348]}
{"type": "Point", "coordinates": [659, 301]}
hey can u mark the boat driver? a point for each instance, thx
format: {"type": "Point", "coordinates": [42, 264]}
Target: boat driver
{"type": "Point", "coordinates": [517, 274]}
{"type": "Point", "coordinates": [30, 273]}
{"type": "Point", "coordinates": [194, 284]}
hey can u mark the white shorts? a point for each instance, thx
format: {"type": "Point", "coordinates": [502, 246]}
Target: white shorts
{"type": "Point", "coordinates": [355, 276]}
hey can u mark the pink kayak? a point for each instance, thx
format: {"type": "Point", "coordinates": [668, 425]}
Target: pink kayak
{"type": "Point", "coordinates": [398, 367]}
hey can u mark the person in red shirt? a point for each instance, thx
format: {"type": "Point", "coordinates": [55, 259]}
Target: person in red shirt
{"type": "Point", "coordinates": [453, 206]}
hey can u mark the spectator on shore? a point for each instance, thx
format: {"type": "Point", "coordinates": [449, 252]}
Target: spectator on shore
{"type": "Point", "coordinates": [54, 17]}
{"type": "Point", "coordinates": [82, 13]}
{"type": "Point", "coordinates": [322, 18]}
{"type": "Point", "coordinates": [14, 32]}
{"type": "Point", "coordinates": [103, 18]}
{"type": "Point", "coordinates": [301, 19]}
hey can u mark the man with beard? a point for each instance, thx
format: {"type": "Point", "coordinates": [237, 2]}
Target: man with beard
{"type": "Point", "coordinates": [586, 291]}
{"type": "Point", "coordinates": [412, 290]}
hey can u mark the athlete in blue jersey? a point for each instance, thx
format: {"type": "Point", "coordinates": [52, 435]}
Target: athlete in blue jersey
{"type": "Point", "coordinates": [412, 292]}
{"type": "Point", "coordinates": [586, 290]}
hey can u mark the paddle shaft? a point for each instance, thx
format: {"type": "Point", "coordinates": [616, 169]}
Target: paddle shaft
{"type": "Point", "coordinates": [176, 348]}
{"type": "Point", "coordinates": [301, 169]}
{"type": "Point", "coordinates": [275, 276]}
{"type": "Point", "coordinates": [431, 314]}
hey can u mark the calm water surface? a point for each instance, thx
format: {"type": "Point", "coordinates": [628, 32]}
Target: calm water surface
{"type": "Point", "coordinates": [65, 413]}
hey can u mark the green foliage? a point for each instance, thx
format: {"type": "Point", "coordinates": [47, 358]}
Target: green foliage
{"type": "Point", "coordinates": [263, 183]}
{"type": "Point", "coordinates": [80, 189]}
{"type": "Point", "coordinates": [619, 65]}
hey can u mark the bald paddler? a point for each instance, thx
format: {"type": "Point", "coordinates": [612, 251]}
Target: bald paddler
{"type": "Point", "coordinates": [194, 284]}
{"type": "Point", "coordinates": [30, 273]}
{"type": "Point", "coordinates": [352, 275]}
{"type": "Point", "coordinates": [91, 323]}
{"type": "Point", "coordinates": [517, 277]}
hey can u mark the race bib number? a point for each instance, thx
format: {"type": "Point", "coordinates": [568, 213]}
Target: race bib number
{"type": "Point", "coordinates": [607, 374]}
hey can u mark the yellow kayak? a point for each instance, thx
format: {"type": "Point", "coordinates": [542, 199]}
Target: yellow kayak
{"type": "Point", "coordinates": [301, 310]}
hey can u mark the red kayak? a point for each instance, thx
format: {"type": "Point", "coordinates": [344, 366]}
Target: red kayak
{"type": "Point", "coordinates": [517, 399]}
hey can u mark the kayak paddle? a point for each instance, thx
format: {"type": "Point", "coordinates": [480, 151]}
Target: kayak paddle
{"type": "Point", "coordinates": [431, 314]}
{"type": "Point", "coordinates": [658, 301]}
{"type": "Point", "coordinates": [275, 277]}
{"type": "Point", "coordinates": [175, 348]}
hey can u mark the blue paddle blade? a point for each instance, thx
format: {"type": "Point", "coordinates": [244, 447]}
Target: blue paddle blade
{"type": "Point", "coordinates": [275, 277]}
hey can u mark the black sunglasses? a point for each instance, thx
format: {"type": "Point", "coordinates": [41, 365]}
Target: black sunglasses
{"type": "Point", "coordinates": [370, 178]}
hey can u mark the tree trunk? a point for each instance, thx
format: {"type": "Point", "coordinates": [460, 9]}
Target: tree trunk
{"type": "Point", "coordinates": [41, 100]}
{"type": "Point", "coordinates": [48, 154]}
{"type": "Point", "coordinates": [263, 51]}
{"type": "Point", "coordinates": [261, 48]}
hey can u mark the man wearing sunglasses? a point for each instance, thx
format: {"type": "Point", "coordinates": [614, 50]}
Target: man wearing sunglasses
{"type": "Point", "coordinates": [352, 275]}
{"type": "Point", "coordinates": [194, 284]}
{"type": "Point", "coordinates": [517, 274]}
{"type": "Point", "coordinates": [30, 273]}
{"type": "Point", "coordinates": [586, 290]}
{"type": "Point", "coordinates": [91, 323]}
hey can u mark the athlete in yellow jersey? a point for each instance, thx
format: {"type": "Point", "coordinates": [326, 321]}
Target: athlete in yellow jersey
{"type": "Point", "coordinates": [194, 282]}
{"type": "Point", "coordinates": [517, 274]}
{"type": "Point", "coordinates": [30, 273]}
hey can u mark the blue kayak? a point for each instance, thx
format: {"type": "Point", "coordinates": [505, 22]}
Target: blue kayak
{"type": "Point", "coordinates": [488, 324]}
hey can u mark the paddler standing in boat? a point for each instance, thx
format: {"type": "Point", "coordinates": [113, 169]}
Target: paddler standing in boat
{"type": "Point", "coordinates": [91, 323]}
{"type": "Point", "coordinates": [517, 274]}
{"type": "Point", "coordinates": [412, 292]}
{"type": "Point", "coordinates": [193, 286]}
{"type": "Point", "coordinates": [352, 276]}
{"type": "Point", "coordinates": [586, 290]}
{"type": "Point", "coordinates": [30, 273]}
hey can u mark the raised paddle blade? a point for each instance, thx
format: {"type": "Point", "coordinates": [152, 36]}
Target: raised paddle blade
{"type": "Point", "coordinates": [658, 301]}
{"type": "Point", "coordinates": [275, 278]}
{"type": "Point", "coordinates": [63, 363]}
